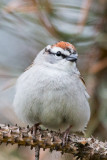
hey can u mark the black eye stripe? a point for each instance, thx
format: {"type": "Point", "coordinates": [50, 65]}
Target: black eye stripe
{"type": "Point", "coordinates": [51, 52]}
{"type": "Point", "coordinates": [68, 49]}
{"type": "Point", "coordinates": [62, 55]}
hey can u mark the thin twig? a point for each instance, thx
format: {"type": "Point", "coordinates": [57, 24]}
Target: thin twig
{"type": "Point", "coordinates": [37, 152]}
{"type": "Point", "coordinates": [45, 21]}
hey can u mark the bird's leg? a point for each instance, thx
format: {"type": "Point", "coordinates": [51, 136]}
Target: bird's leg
{"type": "Point", "coordinates": [34, 128]}
{"type": "Point", "coordinates": [66, 134]}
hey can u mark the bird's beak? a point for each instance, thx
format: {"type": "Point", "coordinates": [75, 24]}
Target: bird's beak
{"type": "Point", "coordinates": [72, 57]}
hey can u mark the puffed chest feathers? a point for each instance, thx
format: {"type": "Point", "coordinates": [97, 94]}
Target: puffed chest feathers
{"type": "Point", "coordinates": [50, 97]}
{"type": "Point", "coordinates": [41, 83]}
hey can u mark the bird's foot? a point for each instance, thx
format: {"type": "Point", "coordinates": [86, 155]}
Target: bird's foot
{"type": "Point", "coordinates": [65, 136]}
{"type": "Point", "coordinates": [34, 128]}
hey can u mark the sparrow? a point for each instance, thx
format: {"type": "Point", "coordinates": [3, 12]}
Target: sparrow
{"type": "Point", "coordinates": [52, 93]}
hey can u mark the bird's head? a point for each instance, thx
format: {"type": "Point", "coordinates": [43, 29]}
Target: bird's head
{"type": "Point", "coordinates": [59, 54]}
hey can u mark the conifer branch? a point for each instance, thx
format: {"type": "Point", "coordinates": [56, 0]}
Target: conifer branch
{"type": "Point", "coordinates": [80, 147]}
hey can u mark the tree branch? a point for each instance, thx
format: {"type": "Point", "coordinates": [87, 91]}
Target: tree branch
{"type": "Point", "coordinates": [80, 147]}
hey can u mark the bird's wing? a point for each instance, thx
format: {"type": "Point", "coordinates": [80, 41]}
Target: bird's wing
{"type": "Point", "coordinates": [84, 84]}
{"type": "Point", "coordinates": [81, 78]}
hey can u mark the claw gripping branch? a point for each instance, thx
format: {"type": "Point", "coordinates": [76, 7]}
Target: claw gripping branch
{"type": "Point", "coordinates": [88, 148]}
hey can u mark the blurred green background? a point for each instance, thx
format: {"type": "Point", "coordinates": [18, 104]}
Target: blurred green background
{"type": "Point", "coordinates": [27, 26]}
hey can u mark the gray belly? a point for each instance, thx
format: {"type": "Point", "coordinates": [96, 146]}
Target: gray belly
{"type": "Point", "coordinates": [59, 112]}
{"type": "Point", "coordinates": [56, 102]}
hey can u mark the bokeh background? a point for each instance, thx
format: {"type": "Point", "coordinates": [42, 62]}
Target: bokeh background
{"type": "Point", "coordinates": [27, 26]}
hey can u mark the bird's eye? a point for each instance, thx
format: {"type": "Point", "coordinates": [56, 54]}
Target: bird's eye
{"type": "Point", "coordinates": [58, 53]}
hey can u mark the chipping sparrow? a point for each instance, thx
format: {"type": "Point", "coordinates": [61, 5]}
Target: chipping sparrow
{"type": "Point", "coordinates": [51, 91]}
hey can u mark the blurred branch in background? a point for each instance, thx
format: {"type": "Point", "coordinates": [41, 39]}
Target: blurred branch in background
{"type": "Point", "coordinates": [21, 6]}
{"type": "Point", "coordinates": [99, 66]}
{"type": "Point", "coordinates": [27, 26]}
{"type": "Point", "coordinates": [85, 12]}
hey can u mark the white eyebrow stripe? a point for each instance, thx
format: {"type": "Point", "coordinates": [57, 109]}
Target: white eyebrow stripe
{"type": "Point", "coordinates": [66, 53]}
{"type": "Point", "coordinates": [48, 47]}
{"type": "Point", "coordinates": [56, 49]}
